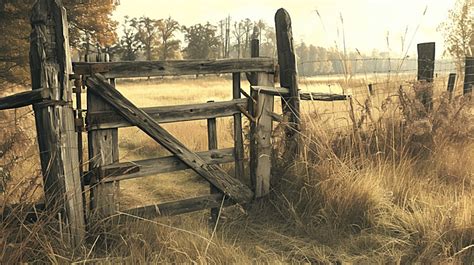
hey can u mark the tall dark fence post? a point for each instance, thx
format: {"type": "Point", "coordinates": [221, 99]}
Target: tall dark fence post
{"type": "Point", "coordinates": [468, 75]}
{"type": "Point", "coordinates": [50, 65]}
{"type": "Point", "coordinates": [288, 79]}
{"type": "Point", "coordinates": [426, 63]}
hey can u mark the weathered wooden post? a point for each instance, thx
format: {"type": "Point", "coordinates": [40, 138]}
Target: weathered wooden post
{"type": "Point", "coordinates": [212, 145]}
{"type": "Point", "coordinates": [261, 130]}
{"type": "Point", "coordinates": [468, 75]}
{"type": "Point", "coordinates": [50, 65]}
{"type": "Point", "coordinates": [288, 79]}
{"type": "Point", "coordinates": [103, 150]}
{"type": "Point", "coordinates": [426, 64]}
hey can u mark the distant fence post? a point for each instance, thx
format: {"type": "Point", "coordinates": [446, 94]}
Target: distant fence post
{"type": "Point", "coordinates": [468, 75]}
{"type": "Point", "coordinates": [50, 65]}
{"type": "Point", "coordinates": [371, 90]}
{"type": "Point", "coordinates": [288, 79]}
{"type": "Point", "coordinates": [451, 83]}
{"type": "Point", "coordinates": [426, 63]}
{"type": "Point", "coordinates": [103, 150]}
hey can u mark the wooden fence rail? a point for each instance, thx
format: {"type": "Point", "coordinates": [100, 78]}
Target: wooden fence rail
{"type": "Point", "coordinates": [173, 68]}
{"type": "Point", "coordinates": [110, 119]}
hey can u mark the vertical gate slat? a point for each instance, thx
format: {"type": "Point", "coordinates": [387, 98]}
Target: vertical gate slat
{"type": "Point", "coordinates": [212, 144]}
{"type": "Point", "coordinates": [261, 130]}
{"type": "Point", "coordinates": [103, 150]}
{"type": "Point", "coordinates": [238, 139]}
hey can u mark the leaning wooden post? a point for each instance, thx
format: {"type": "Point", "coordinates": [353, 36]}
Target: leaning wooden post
{"type": "Point", "coordinates": [468, 75]}
{"type": "Point", "coordinates": [50, 65]}
{"type": "Point", "coordinates": [103, 150]}
{"type": "Point", "coordinates": [261, 131]}
{"type": "Point", "coordinates": [288, 79]}
{"type": "Point", "coordinates": [426, 64]}
{"type": "Point", "coordinates": [212, 145]}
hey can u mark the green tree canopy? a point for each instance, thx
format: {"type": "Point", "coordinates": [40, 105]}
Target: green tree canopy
{"type": "Point", "coordinates": [202, 40]}
{"type": "Point", "coordinates": [170, 46]}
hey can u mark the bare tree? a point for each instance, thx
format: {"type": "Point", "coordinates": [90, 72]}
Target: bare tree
{"type": "Point", "coordinates": [262, 26]}
{"type": "Point", "coordinates": [239, 33]}
{"type": "Point", "coordinates": [227, 37]}
{"type": "Point", "coordinates": [247, 27]}
{"type": "Point", "coordinates": [458, 32]}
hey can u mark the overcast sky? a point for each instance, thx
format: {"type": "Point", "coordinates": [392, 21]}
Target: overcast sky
{"type": "Point", "coordinates": [366, 22]}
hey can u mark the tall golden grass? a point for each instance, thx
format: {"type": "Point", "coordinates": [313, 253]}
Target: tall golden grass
{"type": "Point", "coordinates": [386, 182]}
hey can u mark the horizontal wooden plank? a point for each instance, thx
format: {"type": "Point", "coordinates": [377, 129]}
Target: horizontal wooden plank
{"type": "Point", "coordinates": [282, 91]}
{"type": "Point", "coordinates": [172, 208]}
{"type": "Point", "coordinates": [23, 99]}
{"type": "Point", "coordinates": [147, 167]}
{"type": "Point", "coordinates": [174, 67]}
{"type": "Point", "coordinates": [275, 91]}
{"type": "Point", "coordinates": [166, 114]}
{"type": "Point", "coordinates": [323, 96]}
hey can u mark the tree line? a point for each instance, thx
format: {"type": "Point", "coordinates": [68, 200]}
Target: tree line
{"type": "Point", "coordinates": [158, 39]}
{"type": "Point", "coordinates": [92, 30]}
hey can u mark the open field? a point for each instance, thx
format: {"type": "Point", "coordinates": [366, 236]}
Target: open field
{"type": "Point", "coordinates": [385, 194]}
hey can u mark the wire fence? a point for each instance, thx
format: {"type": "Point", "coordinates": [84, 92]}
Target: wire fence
{"type": "Point", "coordinates": [373, 84]}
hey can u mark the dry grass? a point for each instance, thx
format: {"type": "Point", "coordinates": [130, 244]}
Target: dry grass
{"type": "Point", "coordinates": [386, 192]}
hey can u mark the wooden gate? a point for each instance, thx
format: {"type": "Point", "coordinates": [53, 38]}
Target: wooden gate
{"type": "Point", "coordinates": [60, 126]}
{"type": "Point", "coordinates": [109, 110]}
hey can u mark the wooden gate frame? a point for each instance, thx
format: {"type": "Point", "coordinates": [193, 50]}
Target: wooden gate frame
{"type": "Point", "coordinates": [60, 127]}
{"type": "Point", "coordinates": [104, 172]}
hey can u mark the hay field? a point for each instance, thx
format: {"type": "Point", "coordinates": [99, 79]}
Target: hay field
{"type": "Point", "coordinates": [393, 192]}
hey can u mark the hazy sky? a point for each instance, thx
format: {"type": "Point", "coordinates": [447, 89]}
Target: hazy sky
{"type": "Point", "coordinates": [366, 22]}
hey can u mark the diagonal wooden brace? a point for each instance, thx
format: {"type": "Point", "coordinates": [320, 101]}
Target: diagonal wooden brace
{"type": "Point", "coordinates": [213, 173]}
